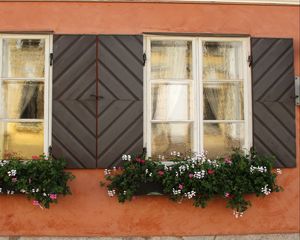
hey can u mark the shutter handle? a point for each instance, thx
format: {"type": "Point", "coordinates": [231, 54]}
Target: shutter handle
{"type": "Point", "coordinates": [96, 97]}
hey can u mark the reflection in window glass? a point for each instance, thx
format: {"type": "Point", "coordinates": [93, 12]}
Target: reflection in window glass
{"type": "Point", "coordinates": [222, 60]}
{"type": "Point", "coordinates": [23, 100]}
{"type": "Point", "coordinates": [221, 138]}
{"type": "Point", "coordinates": [170, 102]}
{"type": "Point", "coordinates": [167, 137]}
{"type": "Point", "coordinates": [23, 58]}
{"type": "Point", "coordinates": [223, 101]}
{"type": "Point", "coordinates": [171, 59]}
{"type": "Point", "coordinates": [26, 139]}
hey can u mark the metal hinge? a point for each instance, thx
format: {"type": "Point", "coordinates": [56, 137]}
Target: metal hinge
{"type": "Point", "coordinates": [144, 59]}
{"type": "Point", "coordinates": [51, 59]}
{"type": "Point", "coordinates": [250, 60]}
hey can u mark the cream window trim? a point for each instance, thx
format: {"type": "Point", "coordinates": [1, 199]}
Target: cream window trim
{"type": "Point", "coordinates": [47, 80]}
{"type": "Point", "coordinates": [197, 91]}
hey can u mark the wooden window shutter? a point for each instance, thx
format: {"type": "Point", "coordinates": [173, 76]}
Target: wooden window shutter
{"type": "Point", "coordinates": [120, 104]}
{"type": "Point", "coordinates": [74, 104]}
{"type": "Point", "coordinates": [273, 91]}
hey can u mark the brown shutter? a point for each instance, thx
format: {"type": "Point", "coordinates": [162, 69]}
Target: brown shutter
{"type": "Point", "coordinates": [273, 99]}
{"type": "Point", "coordinates": [74, 107]}
{"type": "Point", "coordinates": [120, 105]}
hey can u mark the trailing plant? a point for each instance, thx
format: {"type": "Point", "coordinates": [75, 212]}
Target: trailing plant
{"type": "Point", "coordinates": [197, 178]}
{"type": "Point", "coordinates": [41, 179]}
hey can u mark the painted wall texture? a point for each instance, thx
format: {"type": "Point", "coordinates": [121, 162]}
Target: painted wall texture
{"type": "Point", "coordinates": [89, 211]}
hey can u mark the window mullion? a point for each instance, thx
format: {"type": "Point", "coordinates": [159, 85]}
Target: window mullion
{"type": "Point", "coordinates": [200, 95]}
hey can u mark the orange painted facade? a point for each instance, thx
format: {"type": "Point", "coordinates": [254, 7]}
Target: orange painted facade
{"type": "Point", "coordinates": [89, 211]}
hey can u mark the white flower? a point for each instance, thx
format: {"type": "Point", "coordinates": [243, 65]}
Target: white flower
{"type": "Point", "coordinates": [111, 193]}
{"type": "Point", "coordinates": [107, 172]}
{"type": "Point", "coordinates": [265, 190]}
{"type": "Point", "coordinates": [261, 169]}
{"type": "Point", "coordinates": [12, 173]}
{"type": "Point", "coordinates": [176, 192]}
{"type": "Point", "coordinates": [150, 174]}
{"type": "Point", "coordinates": [124, 192]}
{"type": "Point", "coordinates": [278, 171]}
{"type": "Point", "coordinates": [238, 214]}
{"type": "Point", "coordinates": [199, 175]}
{"type": "Point", "coordinates": [0, 190]}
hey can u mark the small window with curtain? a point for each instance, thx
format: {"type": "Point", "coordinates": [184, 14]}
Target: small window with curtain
{"type": "Point", "coordinates": [198, 95]}
{"type": "Point", "coordinates": [24, 95]}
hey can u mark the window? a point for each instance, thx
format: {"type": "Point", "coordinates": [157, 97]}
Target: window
{"type": "Point", "coordinates": [198, 95]}
{"type": "Point", "coordinates": [24, 94]}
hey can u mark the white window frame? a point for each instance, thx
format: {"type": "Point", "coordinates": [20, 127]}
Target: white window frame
{"type": "Point", "coordinates": [47, 84]}
{"type": "Point", "coordinates": [197, 108]}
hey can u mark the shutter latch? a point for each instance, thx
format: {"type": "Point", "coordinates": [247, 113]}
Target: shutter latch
{"type": "Point", "coordinates": [51, 59]}
{"type": "Point", "coordinates": [144, 59]}
{"type": "Point", "coordinates": [250, 60]}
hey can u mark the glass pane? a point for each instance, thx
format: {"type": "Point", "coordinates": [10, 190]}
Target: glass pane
{"type": "Point", "coordinates": [171, 59]}
{"type": "Point", "coordinates": [26, 139]}
{"type": "Point", "coordinates": [23, 100]}
{"type": "Point", "coordinates": [23, 58]}
{"type": "Point", "coordinates": [222, 60]}
{"type": "Point", "coordinates": [221, 138]}
{"type": "Point", "coordinates": [167, 137]}
{"type": "Point", "coordinates": [223, 101]}
{"type": "Point", "coordinates": [171, 102]}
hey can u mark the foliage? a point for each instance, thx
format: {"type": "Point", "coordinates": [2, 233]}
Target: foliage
{"type": "Point", "coordinates": [198, 178]}
{"type": "Point", "coordinates": [40, 179]}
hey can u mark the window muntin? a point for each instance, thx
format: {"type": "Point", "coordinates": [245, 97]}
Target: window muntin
{"type": "Point", "coordinates": [24, 94]}
{"type": "Point", "coordinates": [216, 113]}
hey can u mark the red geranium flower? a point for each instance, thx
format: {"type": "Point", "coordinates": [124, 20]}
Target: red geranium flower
{"type": "Point", "coordinates": [210, 171]}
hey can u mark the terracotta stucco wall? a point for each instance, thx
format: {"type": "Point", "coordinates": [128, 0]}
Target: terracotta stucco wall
{"type": "Point", "coordinates": [89, 211]}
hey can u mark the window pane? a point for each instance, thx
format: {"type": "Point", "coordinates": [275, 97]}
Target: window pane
{"type": "Point", "coordinates": [23, 58]}
{"type": "Point", "coordinates": [221, 138]}
{"type": "Point", "coordinates": [222, 60]}
{"type": "Point", "coordinates": [27, 139]}
{"type": "Point", "coordinates": [171, 59]}
{"type": "Point", "coordinates": [23, 100]}
{"type": "Point", "coordinates": [223, 101]}
{"type": "Point", "coordinates": [167, 137]}
{"type": "Point", "coordinates": [171, 102]}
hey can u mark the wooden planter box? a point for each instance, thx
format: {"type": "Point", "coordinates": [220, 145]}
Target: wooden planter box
{"type": "Point", "coordinates": [151, 188]}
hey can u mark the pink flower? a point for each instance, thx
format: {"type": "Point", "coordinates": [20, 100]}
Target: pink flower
{"type": "Point", "coordinates": [35, 203]}
{"type": "Point", "coordinates": [228, 160]}
{"type": "Point", "coordinates": [227, 195]}
{"type": "Point", "coordinates": [53, 196]}
{"type": "Point", "coordinates": [210, 171]}
{"type": "Point", "coordinates": [160, 173]}
{"type": "Point", "coordinates": [14, 179]}
{"type": "Point", "coordinates": [180, 186]}
{"type": "Point", "coordinates": [35, 157]}
{"type": "Point", "coordinates": [139, 160]}
{"type": "Point", "coordinates": [191, 175]}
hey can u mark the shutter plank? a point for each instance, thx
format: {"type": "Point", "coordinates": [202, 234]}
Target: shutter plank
{"type": "Point", "coordinates": [273, 107]}
{"type": "Point", "coordinates": [74, 111]}
{"type": "Point", "coordinates": [120, 119]}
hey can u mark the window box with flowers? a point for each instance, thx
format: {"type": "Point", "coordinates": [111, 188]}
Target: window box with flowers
{"type": "Point", "coordinates": [41, 179]}
{"type": "Point", "coordinates": [197, 178]}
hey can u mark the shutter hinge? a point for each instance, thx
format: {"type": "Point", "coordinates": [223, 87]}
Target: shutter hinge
{"type": "Point", "coordinates": [51, 59]}
{"type": "Point", "coordinates": [50, 151]}
{"type": "Point", "coordinates": [250, 60]}
{"type": "Point", "coordinates": [144, 59]}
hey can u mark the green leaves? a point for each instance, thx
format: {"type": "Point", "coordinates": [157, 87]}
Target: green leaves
{"type": "Point", "coordinates": [41, 180]}
{"type": "Point", "coordinates": [199, 178]}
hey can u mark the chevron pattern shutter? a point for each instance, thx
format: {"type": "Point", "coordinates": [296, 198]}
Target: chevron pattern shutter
{"type": "Point", "coordinates": [74, 107]}
{"type": "Point", "coordinates": [120, 106]}
{"type": "Point", "coordinates": [273, 101]}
